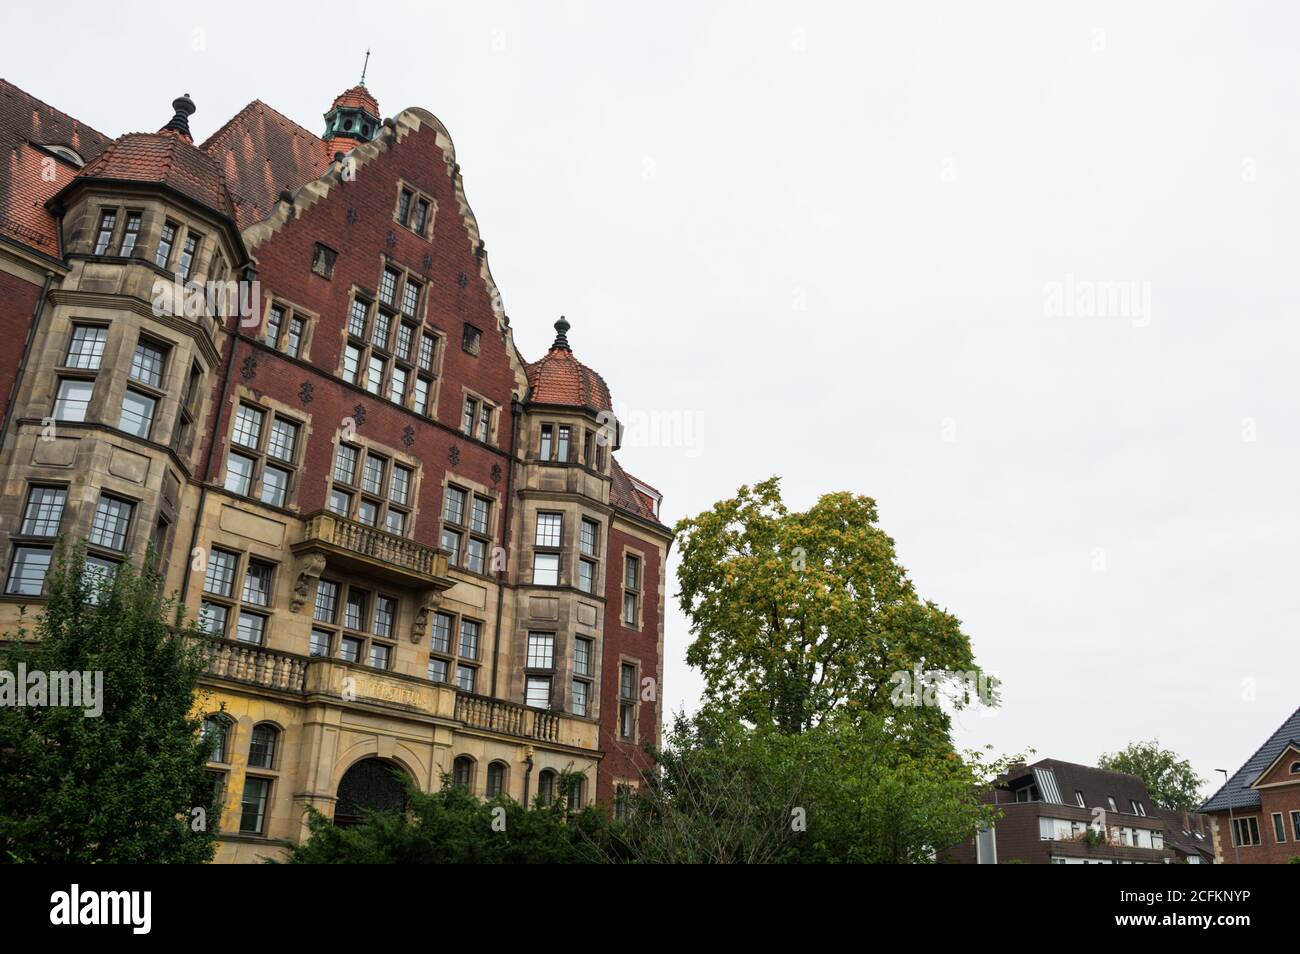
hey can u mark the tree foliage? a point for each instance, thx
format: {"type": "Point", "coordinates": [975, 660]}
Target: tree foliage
{"type": "Point", "coordinates": [123, 786]}
{"type": "Point", "coordinates": [452, 826]}
{"type": "Point", "coordinates": [795, 615]}
{"type": "Point", "coordinates": [1171, 780]}
{"type": "Point", "coordinates": [843, 791]}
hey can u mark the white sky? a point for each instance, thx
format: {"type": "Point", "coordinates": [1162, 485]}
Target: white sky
{"type": "Point", "coordinates": [823, 232]}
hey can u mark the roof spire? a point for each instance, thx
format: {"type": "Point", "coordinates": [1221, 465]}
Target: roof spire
{"type": "Point", "coordinates": [180, 122]}
{"type": "Point", "coordinates": [561, 331]}
{"type": "Point", "coordinates": [365, 66]}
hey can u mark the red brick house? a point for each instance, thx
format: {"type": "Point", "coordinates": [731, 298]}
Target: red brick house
{"type": "Point", "coordinates": [1256, 814]}
{"type": "Point", "coordinates": [415, 548]}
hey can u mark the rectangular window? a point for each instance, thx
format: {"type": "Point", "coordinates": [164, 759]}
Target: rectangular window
{"type": "Point", "coordinates": [549, 529]}
{"type": "Point", "coordinates": [86, 349]}
{"type": "Point", "coordinates": [372, 475]}
{"type": "Point", "coordinates": [379, 655]}
{"type": "Point", "coordinates": [471, 339]}
{"type": "Point", "coordinates": [220, 576]}
{"type": "Point", "coordinates": [354, 609]}
{"type": "Point", "coordinates": [137, 413]}
{"type": "Point", "coordinates": [322, 261]}
{"type": "Point", "coordinates": [481, 517]}
{"type": "Point", "coordinates": [104, 235]}
{"type": "Point", "coordinates": [546, 569]}
{"type": "Point", "coordinates": [586, 576]}
{"type": "Point", "coordinates": [350, 649]}
{"type": "Point", "coordinates": [411, 299]}
{"type": "Point", "coordinates": [253, 805]}
{"type": "Point", "coordinates": [583, 656]}
{"type": "Point", "coordinates": [589, 539]}
{"type": "Point", "coordinates": [251, 628]}
{"type": "Point", "coordinates": [327, 602]}
{"type": "Point", "coordinates": [465, 678]}
{"type": "Point", "coordinates": [405, 336]}
{"type": "Point", "coordinates": [248, 426]}
{"type": "Point", "coordinates": [189, 251]}
{"type": "Point", "coordinates": [1295, 826]}
{"type": "Point", "coordinates": [375, 374]}
{"type": "Point", "coordinates": [454, 506]}
{"type": "Point", "coordinates": [73, 399]}
{"type": "Point", "coordinates": [283, 442]}
{"type": "Point", "coordinates": [383, 324]}
{"type": "Point", "coordinates": [428, 344]}
{"type": "Point", "coordinates": [475, 555]}
{"type": "Point", "coordinates": [257, 583]}
{"type": "Point", "coordinates": [451, 543]}
{"type": "Point", "coordinates": [541, 650]}
{"type": "Point", "coordinates": [537, 692]}
{"type": "Point", "coordinates": [130, 234]}
{"type": "Point", "coordinates": [397, 386]}
{"type": "Point", "coordinates": [274, 323]}
{"type": "Point", "coordinates": [421, 216]}
{"type": "Point", "coordinates": [147, 363]}
{"type": "Point", "coordinates": [1279, 828]}
{"type": "Point", "coordinates": [544, 448]}
{"type": "Point", "coordinates": [357, 318]}
{"type": "Point", "coordinates": [385, 616]}
{"type": "Point", "coordinates": [1245, 832]}
{"type": "Point", "coordinates": [437, 669]}
{"type": "Point", "coordinates": [351, 364]}
{"type": "Point", "coordinates": [293, 341]}
{"type": "Point", "coordinates": [388, 286]}
{"type": "Point", "coordinates": [467, 418]}
{"type": "Point", "coordinates": [239, 474]}
{"type": "Point", "coordinates": [484, 422]}
{"type": "Point", "coordinates": [165, 242]}
{"type": "Point", "coordinates": [469, 634]}
{"type": "Point", "coordinates": [320, 642]}
{"type": "Point", "coordinates": [112, 519]}
{"type": "Point", "coordinates": [562, 444]}
{"type": "Point", "coordinates": [399, 489]}
{"type": "Point", "coordinates": [627, 701]}
{"type": "Point", "coordinates": [28, 570]}
{"type": "Point", "coordinates": [578, 697]}
{"type": "Point", "coordinates": [442, 625]}
{"type": "Point", "coordinates": [345, 464]}
{"type": "Point", "coordinates": [44, 511]}
{"type": "Point", "coordinates": [404, 205]}
{"type": "Point", "coordinates": [420, 403]}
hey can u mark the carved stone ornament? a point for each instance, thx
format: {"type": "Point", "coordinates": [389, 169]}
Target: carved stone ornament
{"type": "Point", "coordinates": [309, 571]}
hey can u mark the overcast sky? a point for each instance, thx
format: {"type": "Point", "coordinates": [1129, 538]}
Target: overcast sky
{"type": "Point", "coordinates": [853, 245]}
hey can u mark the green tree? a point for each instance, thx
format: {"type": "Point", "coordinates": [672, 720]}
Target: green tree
{"type": "Point", "coordinates": [797, 614]}
{"type": "Point", "coordinates": [1171, 780]}
{"type": "Point", "coordinates": [843, 791]}
{"type": "Point", "coordinates": [127, 785]}
{"type": "Point", "coordinates": [452, 826]}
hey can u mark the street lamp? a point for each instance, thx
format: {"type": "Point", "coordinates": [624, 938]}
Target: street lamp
{"type": "Point", "coordinates": [1232, 824]}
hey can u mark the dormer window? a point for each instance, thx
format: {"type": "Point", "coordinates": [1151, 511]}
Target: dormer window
{"type": "Point", "coordinates": [1078, 799]}
{"type": "Point", "coordinates": [1110, 800]}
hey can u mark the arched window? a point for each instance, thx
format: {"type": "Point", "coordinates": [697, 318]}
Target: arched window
{"type": "Point", "coordinates": [496, 779]}
{"type": "Point", "coordinates": [261, 748]}
{"type": "Point", "coordinates": [462, 772]}
{"type": "Point", "coordinates": [1295, 768]}
{"type": "Point", "coordinates": [545, 786]}
{"type": "Point", "coordinates": [216, 729]}
{"type": "Point", "coordinates": [577, 793]}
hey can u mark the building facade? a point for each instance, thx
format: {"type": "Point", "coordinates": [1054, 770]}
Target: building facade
{"type": "Point", "coordinates": [1256, 814]}
{"type": "Point", "coordinates": [281, 360]}
{"type": "Point", "coordinates": [1062, 813]}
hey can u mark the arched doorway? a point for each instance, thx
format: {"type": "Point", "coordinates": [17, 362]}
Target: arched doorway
{"type": "Point", "coordinates": [375, 784]}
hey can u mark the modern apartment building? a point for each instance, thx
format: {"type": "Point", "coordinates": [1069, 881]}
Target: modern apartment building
{"type": "Point", "coordinates": [281, 359]}
{"type": "Point", "coordinates": [1061, 813]}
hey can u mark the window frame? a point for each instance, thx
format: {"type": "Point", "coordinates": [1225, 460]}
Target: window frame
{"type": "Point", "coordinates": [261, 456]}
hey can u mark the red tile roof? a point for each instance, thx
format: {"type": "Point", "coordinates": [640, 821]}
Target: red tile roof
{"type": "Point", "coordinates": [165, 158]}
{"type": "Point", "coordinates": [624, 495]}
{"type": "Point", "coordinates": [262, 153]}
{"type": "Point", "coordinates": [30, 175]}
{"type": "Point", "coordinates": [358, 97]}
{"type": "Point", "coordinates": [560, 378]}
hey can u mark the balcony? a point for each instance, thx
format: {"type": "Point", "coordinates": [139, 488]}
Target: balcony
{"type": "Point", "coordinates": [253, 665]}
{"type": "Point", "coordinates": [508, 718]}
{"type": "Point", "coordinates": [366, 549]}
